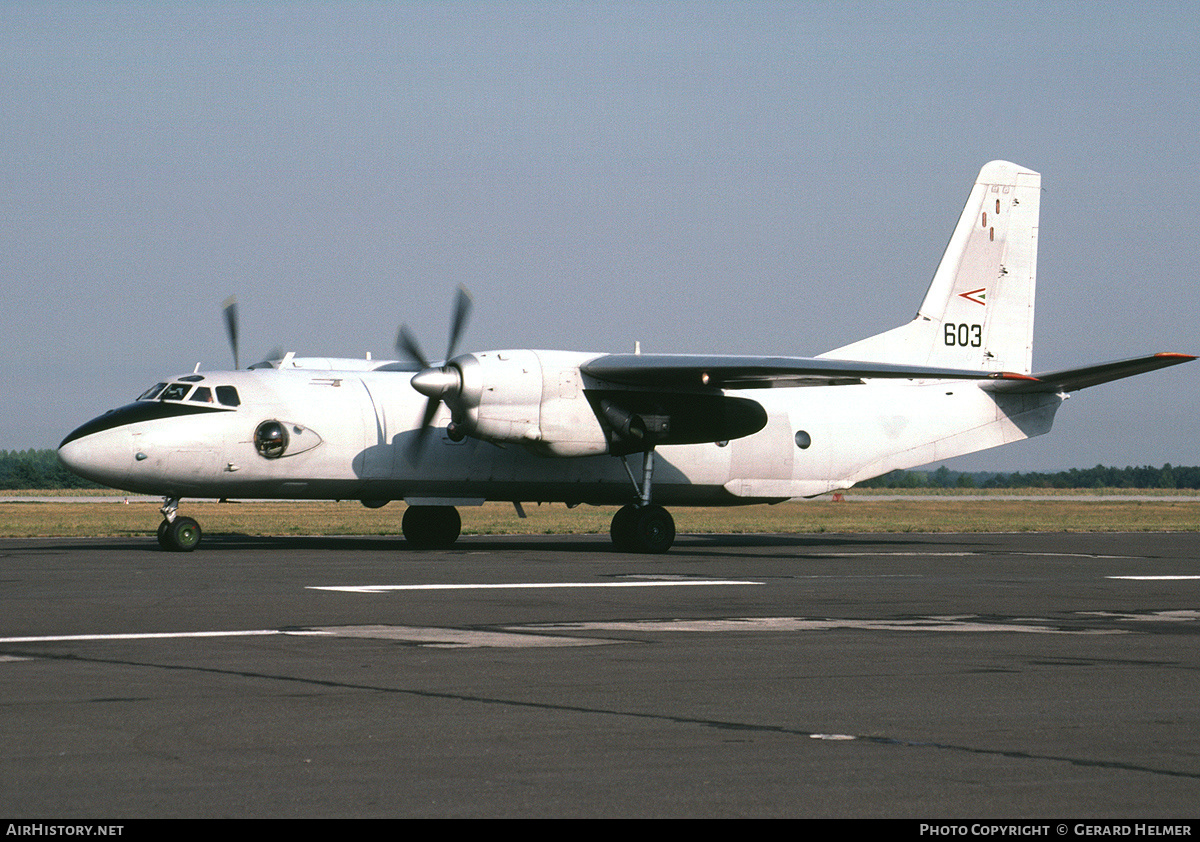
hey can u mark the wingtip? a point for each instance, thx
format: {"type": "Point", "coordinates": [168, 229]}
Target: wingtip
{"type": "Point", "coordinates": [1173, 355]}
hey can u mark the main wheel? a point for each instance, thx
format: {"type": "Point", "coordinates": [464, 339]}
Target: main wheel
{"type": "Point", "coordinates": [181, 535]}
{"type": "Point", "coordinates": [650, 529]}
{"type": "Point", "coordinates": [431, 527]}
{"type": "Point", "coordinates": [621, 530]}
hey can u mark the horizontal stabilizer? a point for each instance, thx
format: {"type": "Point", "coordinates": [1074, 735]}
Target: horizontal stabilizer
{"type": "Point", "coordinates": [1072, 379]}
{"type": "Point", "coordinates": [686, 371]}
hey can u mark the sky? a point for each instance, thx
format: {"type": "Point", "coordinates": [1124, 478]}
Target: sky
{"type": "Point", "coordinates": [746, 178]}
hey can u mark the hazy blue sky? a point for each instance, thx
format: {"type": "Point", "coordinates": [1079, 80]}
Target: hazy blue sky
{"type": "Point", "coordinates": [726, 177]}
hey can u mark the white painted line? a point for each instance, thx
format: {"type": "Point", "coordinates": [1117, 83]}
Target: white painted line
{"type": "Point", "coordinates": [1155, 578]}
{"type": "Point", "coordinates": [422, 636]}
{"type": "Point", "coordinates": [958, 554]}
{"type": "Point", "coordinates": [1181, 616]}
{"type": "Point", "coordinates": [528, 585]}
{"type": "Point", "coordinates": [58, 638]}
{"type": "Point", "coordinates": [448, 638]}
{"type": "Point", "coordinates": [798, 624]}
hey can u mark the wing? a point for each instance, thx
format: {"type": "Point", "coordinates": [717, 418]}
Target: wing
{"type": "Point", "coordinates": [686, 371]}
{"type": "Point", "coordinates": [1071, 379]}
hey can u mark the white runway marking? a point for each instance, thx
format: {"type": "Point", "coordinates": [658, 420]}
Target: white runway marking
{"type": "Point", "coordinates": [1183, 616]}
{"type": "Point", "coordinates": [795, 624]}
{"type": "Point", "coordinates": [438, 638]}
{"type": "Point", "coordinates": [546, 635]}
{"type": "Point", "coordinates": [670, 583]}
{"type": "Point", "coordinates": [58, 638]}
{"type": "Point", "coordinates": [957, 554]}
{"type": "Point", "coordinates": [443, 638]}
{"type": "Point", "coordinates": [1155, 578]}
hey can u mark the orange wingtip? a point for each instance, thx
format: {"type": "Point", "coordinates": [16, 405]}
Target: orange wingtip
{"type": "Point", "coordinates": [1174, 355]}
{"type": "Point", "coordinates": [1012, 375]}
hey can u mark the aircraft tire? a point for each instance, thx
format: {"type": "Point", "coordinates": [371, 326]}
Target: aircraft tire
{"type": "Point", "coordinates": [182, 535]}
{"type": "Point", "coordinates": [622, 527]}
{"type": "Point", "coordinates": [431, 527]}
{"type": "Point", "coordinates": [162, 534]}
{"type": "Point", "coordinates": [653, 530]}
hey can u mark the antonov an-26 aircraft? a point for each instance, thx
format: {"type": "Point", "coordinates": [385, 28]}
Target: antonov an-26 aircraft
{"type": "Point", "coordinates": [635, 430]}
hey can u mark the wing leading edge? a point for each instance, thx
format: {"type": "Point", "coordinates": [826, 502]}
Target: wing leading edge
{"type": "Point", "coordinates": [686, 371]}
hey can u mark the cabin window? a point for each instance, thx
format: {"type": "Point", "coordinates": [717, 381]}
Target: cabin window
{"type": "Point", "coordinates": [152, 393]}
{"type": "Point", "coordinates": [803, 439]}
{"type": "Point", "coordinates": [228, 396]}
{"type": "Point", "coordinates": [176, 392]}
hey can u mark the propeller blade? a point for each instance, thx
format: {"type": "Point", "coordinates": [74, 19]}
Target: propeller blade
{"type": "Point", "coordinates": [407, 345]}
{"type": "Point", "coordinates": [231, 327]}
{"type": "Point", "coordinates": [462, 312]}
{"type": "Point", "coordinates": [417, 445]}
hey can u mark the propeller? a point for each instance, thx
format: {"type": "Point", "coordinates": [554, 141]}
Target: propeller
{"type": "Point", "coordinates": [231, 327]}
{"type": "Point", "coordinates": [230, 310]}
{"type": "Point", "coordinates": [436, 383]}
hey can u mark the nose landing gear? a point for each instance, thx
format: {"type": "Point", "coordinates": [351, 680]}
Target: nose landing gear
{"type": "Point", "coordinates": [177, 534]}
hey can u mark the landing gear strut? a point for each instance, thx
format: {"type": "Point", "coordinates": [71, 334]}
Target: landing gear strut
{"type": "Point", "coordinates": [431, 527]}
{"type": "Point", "coordinates": [643, 528]}
{"type": "Point", "coordinates": [177, 534]}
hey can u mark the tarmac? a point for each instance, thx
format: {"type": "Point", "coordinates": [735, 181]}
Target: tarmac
{"type": "Point", "coordinates": [901, 676]}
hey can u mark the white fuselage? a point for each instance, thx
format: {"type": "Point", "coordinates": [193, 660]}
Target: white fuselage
{"type": "Point", "coordinates": [350, 430]}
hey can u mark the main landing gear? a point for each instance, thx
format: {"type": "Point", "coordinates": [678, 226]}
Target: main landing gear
{"type": "Point", "coordinates": [643, 528]}
{"type": "Point", "coordinates": [177, 534]}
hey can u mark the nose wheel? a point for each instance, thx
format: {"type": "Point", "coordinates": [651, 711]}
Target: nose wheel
{"type": "Point", "coordinates": [177, 534]}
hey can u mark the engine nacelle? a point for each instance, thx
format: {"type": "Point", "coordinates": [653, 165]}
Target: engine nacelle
{"type": "Point", "coordinates": [532, 397]}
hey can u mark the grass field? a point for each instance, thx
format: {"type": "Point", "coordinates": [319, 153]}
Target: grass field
{"type": "Point", "coordinates": [861, 511]}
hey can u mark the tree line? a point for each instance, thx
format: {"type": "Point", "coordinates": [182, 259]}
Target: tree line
{"type": "Point", "coordinates": [37, 469]}
{"type": "Point", "coordinates": [41, 469]}
{"type": "Point", "coordinates": [1146, 476]}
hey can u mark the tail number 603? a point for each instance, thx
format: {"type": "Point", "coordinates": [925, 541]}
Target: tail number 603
{"type": "Point", "coordinates": [966, 335]}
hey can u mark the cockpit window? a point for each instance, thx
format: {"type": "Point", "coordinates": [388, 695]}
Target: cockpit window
{"type": "Point", "coordinates": [202, 394]}
{"type": "Point", "coordinates": [228, 396]}
{"type": "Point", "coordinates": [176, 392]}
{"type": "Point", "coordinates": [152, 393]}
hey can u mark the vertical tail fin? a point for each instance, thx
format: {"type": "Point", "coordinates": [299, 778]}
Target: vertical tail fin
{"type": "Point", "coordinates": [978, 312]}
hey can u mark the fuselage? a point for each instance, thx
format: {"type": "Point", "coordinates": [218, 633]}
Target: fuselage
{"type": "Point", "coordinates": [343, 429]}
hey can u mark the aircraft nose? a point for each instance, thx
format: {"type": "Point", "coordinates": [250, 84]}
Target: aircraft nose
{"type": "Point", "coordinates": [101, 455]}
{"type": "Point", "coordinates": [72, 453]}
